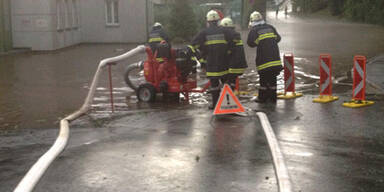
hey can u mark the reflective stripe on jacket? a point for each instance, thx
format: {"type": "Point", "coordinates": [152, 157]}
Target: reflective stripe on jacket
{"type": "Point", "coordinates": [214, 42]}
{"type": "Point", "coordinates": [237, 61]}
{"type": "Point", "coordinates": [156, 36]}
{"type": "Point", "coordinates": [265, 38]}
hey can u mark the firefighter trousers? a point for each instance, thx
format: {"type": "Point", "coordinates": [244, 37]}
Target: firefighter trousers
{"type": "Point", "coordinates": [267, 90]}
{"type": "Point", "coordinates": [215, 88]}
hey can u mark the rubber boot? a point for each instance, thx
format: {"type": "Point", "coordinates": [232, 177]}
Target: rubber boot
{"type": "Point", "coordinates": [215, 98]}
{"type": "Point", "coordinates": [262, 98]}
{"type": "Point", "coordinates": [273, 97]}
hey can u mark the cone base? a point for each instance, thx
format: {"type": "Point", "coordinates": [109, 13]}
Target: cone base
{"type": "Point", "coordinates": [289, 95]}
{"type": "Point", "coordinates": [357, 103]}
{"type": "Point", "coordinates": [325, 99]}
{"type": "Point", "coordinates": [243, 93]}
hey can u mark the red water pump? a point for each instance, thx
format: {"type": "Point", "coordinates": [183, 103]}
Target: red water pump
{"type": "Point", "coordinates": [165, 75]}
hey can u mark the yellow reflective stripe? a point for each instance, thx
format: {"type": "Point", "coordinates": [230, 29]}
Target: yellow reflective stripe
{"type": "Point", "coordinates": [238, 42]}
{"type": "Point", "coordinates": [216, 74]}
{"type": "Point", "coordinates": [156, 39]}
{"type": "Point", "coordinates": [238, 70]}
{"type": "Point", "coordinates": [214, 42]}
{"type": "Point", "coordinates": [229, 52]}
{"type": "Point", "coordinates": [269, 64]}
{"type": "Point", "coordinates": [196, 46]}
{"type": "Point", "coordinates": [202, 60]}
{"type": "Point", "coordinates": [159, 59]}
{"type": "Point", "coordinates": [194, 58]}
{"type": "Point", "coordinates": [192, 48]}
{"type": "Point", "coordinates": [265, 36]}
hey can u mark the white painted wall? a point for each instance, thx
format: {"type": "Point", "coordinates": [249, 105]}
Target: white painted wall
{"type": "Point", "coordinates": [38, 24]}
{"type": "Point", "coordinates": [32, 25]}
{"type": "Point", "coordinates": [132, 22]}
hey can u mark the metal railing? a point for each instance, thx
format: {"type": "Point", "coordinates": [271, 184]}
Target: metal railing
{"type": "Point", "coordinates": [34, 174]}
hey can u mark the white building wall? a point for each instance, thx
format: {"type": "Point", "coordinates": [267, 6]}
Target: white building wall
{"type": "Point", "coordinates": [132, 22]}
{"type": "Point", "coordinates": [48, 24]}
{"type": "Point", "coordinates": [32, 24]}
{"type": "Point", "coordinates": [67, 23]}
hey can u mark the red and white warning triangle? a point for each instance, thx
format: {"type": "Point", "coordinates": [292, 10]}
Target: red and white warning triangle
{"type": "Point", "coordinates": [228, 102]}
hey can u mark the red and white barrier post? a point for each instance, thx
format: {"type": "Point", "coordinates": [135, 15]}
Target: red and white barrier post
{"type": "Point", "coordinates": [325, 63]}
{"type": "Point", "coordinates": [289, 78]}
{"type": "Point", "coordinates": [359, 84]}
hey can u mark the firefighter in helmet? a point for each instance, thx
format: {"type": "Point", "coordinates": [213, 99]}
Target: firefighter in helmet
{"type": "Point", "coordinates": [158, 36]}
{"type": "Point", "coordinates": [214, 42]}
{"type": "Point", "coordinates": [237, 60]}
{"type": "Point", "coordinates": [265, 38]}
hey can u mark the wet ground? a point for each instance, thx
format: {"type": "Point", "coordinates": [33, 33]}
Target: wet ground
{"type": "Point", "coordinates": [328, 147]}
{"type": "Point", "coordinates": [39, 88]}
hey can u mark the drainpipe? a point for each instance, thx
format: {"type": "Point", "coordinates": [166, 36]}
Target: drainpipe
{"type": "Point", "coordinates": [146, 18]}
{"type": "Point", "coordinates": [2, 36]}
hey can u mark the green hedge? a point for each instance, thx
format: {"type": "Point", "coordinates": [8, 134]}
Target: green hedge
{"type": "Point", "coordinates": [369, 11]}
{"type": "Point", "coordinates": [309, 6]}
{"type": "Point", "coordinates": [181, 19]}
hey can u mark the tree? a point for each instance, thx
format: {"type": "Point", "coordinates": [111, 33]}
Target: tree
{"type": "Point", "coordinates": [182, 20]}
{"type": "Point", "coordinates": [336, 6]}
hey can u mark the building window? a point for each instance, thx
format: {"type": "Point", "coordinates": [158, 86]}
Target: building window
{"type": "Point", "coordinates": [112, 12]}
{"type": "Point", "coordinates": [74, 14]}
{"type": "Point", "coordinates": [60, 15]}
{"type": "Point", "coordinates": [68, 14]}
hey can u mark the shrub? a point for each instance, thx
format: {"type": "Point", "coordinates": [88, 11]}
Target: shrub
{"type": "Point", "coordinates": [182, 20]}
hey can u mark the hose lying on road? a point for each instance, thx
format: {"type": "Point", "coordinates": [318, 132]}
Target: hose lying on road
{"type": "Point", "coordinates": [30, 180]}
{"type": "Point", "coordinates": [281, 171]}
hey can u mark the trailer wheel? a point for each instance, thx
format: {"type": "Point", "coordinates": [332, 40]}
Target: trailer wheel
{"type": "Point", "coordinates": [146, 92]}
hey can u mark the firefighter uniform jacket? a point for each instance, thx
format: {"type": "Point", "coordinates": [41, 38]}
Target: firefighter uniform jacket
{"type": "Point", "coordinates": [156, 36]}
{"type": "Point", "coordinates": [214, 43]}
{"type": "Point", "coordinates": [237, 61]}
{"type": "Point", "coordinates": [265, 38]}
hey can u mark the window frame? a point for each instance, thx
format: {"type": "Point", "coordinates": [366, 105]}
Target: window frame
{"type": "Point", "coordinates": [59, 15]}
{"type": "Point", "coordinates": [67, 15]}
{"type": "Point", "coordinates": [115, 20]}
{"type": "Point", "coordinates": [75, 22]}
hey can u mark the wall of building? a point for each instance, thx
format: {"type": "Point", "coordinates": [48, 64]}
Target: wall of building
{"type": "Point", "coordinates": [131, 27]}
{"type": "Point", "coordinates": [67, 23]}
{"type": "Point", "coordinates": [55, 24]}
{"type": "Point", "coordinates": [33, 24]}
{"type": "Point", "coordinates": [5, 26]}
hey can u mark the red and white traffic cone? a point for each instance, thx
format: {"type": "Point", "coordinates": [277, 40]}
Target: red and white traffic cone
{"type": "Point", "coordinates": [325, 62]}
{"type": "Point", "coordinates": [359, 76]}
{"type": "Point", "coordinates": [289, 78]}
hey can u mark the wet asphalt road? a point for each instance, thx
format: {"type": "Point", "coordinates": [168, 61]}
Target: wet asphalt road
{"type": "Point", "coordinates": [327, 147]}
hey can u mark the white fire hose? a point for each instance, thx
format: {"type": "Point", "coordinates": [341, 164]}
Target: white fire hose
{"type": "Point", "coordinates": [34, 174]}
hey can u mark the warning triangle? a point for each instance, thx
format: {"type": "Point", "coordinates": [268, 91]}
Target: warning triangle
{"type": "Point", "coordinates": [228, 102]}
